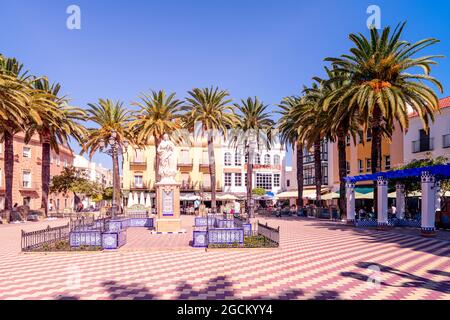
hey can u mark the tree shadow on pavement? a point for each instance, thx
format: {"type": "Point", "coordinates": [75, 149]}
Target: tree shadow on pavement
{"type": "Point", "coordinates": [412, 281]}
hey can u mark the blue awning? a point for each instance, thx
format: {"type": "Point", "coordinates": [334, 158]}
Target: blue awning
{"type": "Point", "coordinates": [440, 171]}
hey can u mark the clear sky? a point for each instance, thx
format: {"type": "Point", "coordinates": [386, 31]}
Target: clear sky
{"type": "Point", "coordinates": [265, 48]}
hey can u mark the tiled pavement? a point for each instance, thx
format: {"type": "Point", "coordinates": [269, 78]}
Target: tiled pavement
{"type": "Point", "coordinates": [316, 260]}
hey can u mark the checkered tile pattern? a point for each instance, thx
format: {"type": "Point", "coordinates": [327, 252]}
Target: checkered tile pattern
{"type": "Point", "coordinates": [316, 260]}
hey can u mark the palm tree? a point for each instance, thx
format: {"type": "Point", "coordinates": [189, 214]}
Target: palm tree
{"type": "Point", "coordinates": [158, 114]}
{"type": "Point", "coordinates": [112, 119]}
{"type": "Point", "coordinates": [209, 108]}
{"type": "Point", "coordinates": [60, 122]}
{"type": "Point", "coordinates": [252, 129]}
{"type": "Point", "coordinates": [381, 87]}
{"type": "Point", "coordinates": [288, 126]}
{"type": "Point", "coordinates": [15, 109]}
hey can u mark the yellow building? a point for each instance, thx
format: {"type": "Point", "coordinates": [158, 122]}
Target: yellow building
{"type": "Point", "coordinates": [359, 155]}
{"type": "Point", "coordinates": [193, 169]}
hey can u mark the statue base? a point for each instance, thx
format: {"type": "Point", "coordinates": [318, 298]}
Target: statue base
{"type": "Point", "coordinates": [168, 207]}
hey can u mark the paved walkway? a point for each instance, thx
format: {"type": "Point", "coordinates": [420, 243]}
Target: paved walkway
{"type": "Point", "coordinates": [316, 260]}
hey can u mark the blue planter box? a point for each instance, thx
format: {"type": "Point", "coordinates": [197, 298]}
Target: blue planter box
{"type": "Point", "coordinates": [225, 223]}
{"type": "Point", "coordinates": [85, 238]}
{"type": "Point", "coordinates": [199, 239]}
{"type": "Point", "coordinates": [201, 222]}
{"type": "Point", "coordinates": [226, 236]}
{"type": "Point", "coordinates": [114, 240]}
{"type": "Point", "coordinates": [366, 223]}
{"type": "Point", "coordinates": [119, 224]}
{"type": "Point", "coordinates": [247, 229]}
{"type": "Point", "coordinates": [409, 223]}
{"type": "Point", "coordinates": [141, 222]}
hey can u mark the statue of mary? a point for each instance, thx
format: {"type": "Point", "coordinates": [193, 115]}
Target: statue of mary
{"type": "Point", "coordinates": [167, 160]}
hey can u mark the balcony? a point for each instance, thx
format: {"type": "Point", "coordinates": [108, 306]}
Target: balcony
{"type": "Point", "coordinates": [204, 166]}
{"type": "Point", "coordinates": [185, 165]}
{"type": "Point", "coordinates": [446, 141]}
{"type": "Point", "coordinates": [139, 165]}
{"type": "Point", "coordinates": [139, 186]}
{"type": "Point", "coordinates": [423, 145]}
{"type": "Point", "coordinates": [30, 186]}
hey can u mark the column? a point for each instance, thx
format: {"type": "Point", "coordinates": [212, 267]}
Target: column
{"type": "Point", "coordinates": [400, 200]}
{"type": "Point", "coordinates": [350, 192]}
{"type": "Point", "coordinates": [428, 203]}
{"type": "Point", "coordinates": [382, 202]}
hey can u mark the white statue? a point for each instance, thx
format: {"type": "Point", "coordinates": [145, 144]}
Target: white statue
{"type": "Point", "coordinates": [167, 160]}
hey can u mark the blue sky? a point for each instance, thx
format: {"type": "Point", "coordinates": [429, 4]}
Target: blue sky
{"type": "Point", "coordinates": [264, 48]}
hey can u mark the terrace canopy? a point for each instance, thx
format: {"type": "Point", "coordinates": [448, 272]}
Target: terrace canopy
{"type": "Point", "coordinates": [429, 176]}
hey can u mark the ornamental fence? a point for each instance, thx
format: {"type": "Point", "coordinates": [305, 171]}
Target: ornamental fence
{"type": "Point", "coordinates": [273, 234]}
{"type": "Point", "coordinates": [45, 237]}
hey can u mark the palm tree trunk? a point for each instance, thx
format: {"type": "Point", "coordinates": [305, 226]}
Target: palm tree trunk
{"type": "Point", "coordinates": [116, 182]}
{"type": "Point", "coordinates": [300, 174]}
{"type": "Point", "coordinates": [212, 171]}
{"type": "Point", "coordinates": [250, 207]}
{"type": "Point", "coordinates": [342, 172]}
{"type": "Point", "coordinates": [317, 170]}
{"type": "Point", "coordinates": [9, 169]}
{"type": "Point", "coordinates": [376, 151]}
{"type": "Point", "coordinates": [45, 173]}
{"type": "Point", "coordinates": [157, 142]}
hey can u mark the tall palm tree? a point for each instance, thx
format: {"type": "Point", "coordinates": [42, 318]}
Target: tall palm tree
{"type": "Point", "coordinates": [15, 110]}
{"type": "Point", "coordinates": [288, 126]}
{"type": "Point", "coordinates": [252, 129]}
{"type": "Point", "coordinates": [158, 114]}
{"type": "Point", "coordinates": [60, 122]}
{"type": "Point", "coordinates": [381, 87]}
{"type": "Point", "coordinates": [111, 118]}
{"type": "Point", "coordinates": [210, 108]}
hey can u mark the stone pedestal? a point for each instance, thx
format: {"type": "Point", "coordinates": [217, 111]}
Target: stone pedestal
{"type": "Point", "coordinates": [168, 207]}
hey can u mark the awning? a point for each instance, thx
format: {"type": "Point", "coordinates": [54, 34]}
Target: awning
{"type": "Point", "coordinates": [189, 197]}
{"type": "Point", "coordinates": [307, 194]}
{"type": "Point", "coordinates": [330, 196]}
{"type": "Point", "coordinates": [226, 197]}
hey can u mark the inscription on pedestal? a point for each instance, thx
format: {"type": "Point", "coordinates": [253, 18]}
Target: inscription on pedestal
{"type": "Point", "coordinates": [167, 203]}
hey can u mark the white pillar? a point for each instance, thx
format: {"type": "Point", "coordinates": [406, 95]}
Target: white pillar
{"type": "Point", "coordinates": [382, 202]}
{"type": "Point", "coordinates": [438, 196]}
{"type": "Point", "coordinates": [130, 199]}
{"type": "Point", "coordinates": [428, 203]}
{"type": "Point", "coordinates": [400, 200]}
{"type": "Point", "coordinates": [350, 192]}
{"type": "Point", "coordinates": [142, 200]}
{"type": "Point", "coordinates": [148, 202]}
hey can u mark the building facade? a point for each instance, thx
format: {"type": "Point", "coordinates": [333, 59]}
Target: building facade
{"type": "Point", "coordinates": [27, 181]}
{"type": "Point", "coordinates": [420, 144]}
{"type": "Point", "coordinates": [269, 169]}
{"type": "Point", "coordinates": [95, 171]}
{"type": "Point", "coordinates": [193, 168]}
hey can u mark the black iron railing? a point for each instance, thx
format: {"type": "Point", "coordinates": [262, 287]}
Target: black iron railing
{"type": "Point", "coordinates": [45, 237]}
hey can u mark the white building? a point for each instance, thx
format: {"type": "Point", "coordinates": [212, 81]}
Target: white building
{"type": "Point", "coordinates": [96, 172]}
{"type": "Point", "coordinates": [269, 169]}
{"type": "Point", "coordinates": [418, 144]}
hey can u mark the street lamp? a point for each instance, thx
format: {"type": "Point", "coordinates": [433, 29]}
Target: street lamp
{"type": "Point", "coordinates": [113, 147]}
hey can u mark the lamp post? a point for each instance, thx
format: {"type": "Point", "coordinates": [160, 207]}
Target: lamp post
{"type": "Point", "coordinates": [113, 147]}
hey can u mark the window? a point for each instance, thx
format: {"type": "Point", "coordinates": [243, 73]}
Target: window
{"type": "Point", "coordinates": [369, 135]}
{"type": "Point", "coordinates": [65, 163]}
{"type": "Point", "coordinates": [138, 182]}
{"type": "Point", "coordinates": [347, 165]}
{"type": "Point", "coordinates": [368, 164]}
{"type": "Point", "coordinates": [276, 159]}
{"type": "Point", "coordinates": [238, 179]}
{"type": "Point", "coordinates": [57, 204]}
{"type": "Point", "coordinates": [26, 179]}
{"type": "Point", "coordinates": [267, 159]}
{"type": "Point", "coordinates": [185, 180]}
{"type": "Point", "coordinates": [288, 183]}
{"type": "Point", "coordinates": [276, 180]}
{"type": "Point", "coordinates": [246, 158]}
{"type": "Point", "coordinates": [206, 180]}
{"type": "Point", "coordinates": [360, 136]}
{"type": "Point", "coordinates": [237, 159]}
{"type": "Point", "coordinates": [185, 156]}
{"type": "Point", "coordinates": [347, 140]}
{"type": "Point", "coordinates": [27, 201]}
{"type": "Point", "coordinates": [65, 203]}
{"type": "Point", "coordinates": [227, 179]}
{"type": "Point", "coordinates": [139, 156]}
{"type": "Point", "coordinates": [387, 162]}
{"type": "Point", "coordinates": [58, 161]}
{"type": "Point", "coordinates": [257, 159]}
{"type": "Point", "coordinates": [26, 152]}
{"type": "Point", "coordinates": [227, 159]}
{"type": "Point", "coordinates": [264, 180]}
{"type": "Point", "coordinates": [360, 166]}
{"type": "Point", "coordinates": [205, 158]}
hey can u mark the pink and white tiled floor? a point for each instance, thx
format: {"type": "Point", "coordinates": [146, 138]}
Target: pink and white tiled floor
{"type": "Point", "coordinates": [316, 260]}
